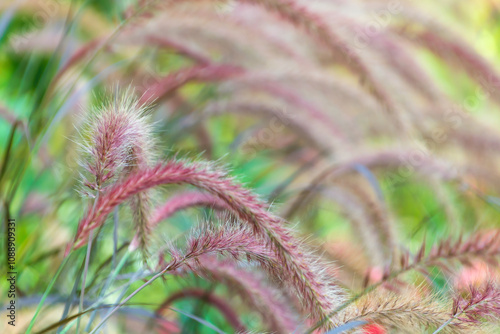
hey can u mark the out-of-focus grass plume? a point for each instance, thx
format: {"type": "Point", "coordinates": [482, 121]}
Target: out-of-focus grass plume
{"type": "Point", "coordinates": [201, 166]}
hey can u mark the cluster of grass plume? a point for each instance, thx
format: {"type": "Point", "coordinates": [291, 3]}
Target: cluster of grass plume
{"type": "Point", "coordinates": [365, 131]}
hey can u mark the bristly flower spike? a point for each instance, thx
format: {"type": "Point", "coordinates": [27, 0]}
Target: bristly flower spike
{"type": "Point", "coordinates": [116, 141]}
{"type": "Point", "coordinates": [116, 136]}
{"type": "Point", "coordinates": [307, 277]}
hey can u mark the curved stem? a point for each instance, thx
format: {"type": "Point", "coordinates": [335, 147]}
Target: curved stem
{"type": "Point", "coordinates": [129, 297]}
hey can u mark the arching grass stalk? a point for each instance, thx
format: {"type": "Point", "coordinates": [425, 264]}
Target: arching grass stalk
{"type": "Point", "coordinates": [85, 271]}
{"type": "Point", "coordinates": [304, 273]}
{"type": "Point", "coordinates": [130, 297]}
{"type": "Point", "coordinates": [46, 293]}
{"type": "Point", "coordinates": [448, 322]}
{"type": "Point", "coordinates": [108, 283]}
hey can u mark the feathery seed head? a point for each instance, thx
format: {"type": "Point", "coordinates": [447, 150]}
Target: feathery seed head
{"type": "Point", "coordinates": [117, 136]}
{"type": "Point", "coordinates": [306, 275]}
{"type": "Point", "coordinates": [478, 303]}
{"type": "Point", "coordinates": [117, 140]}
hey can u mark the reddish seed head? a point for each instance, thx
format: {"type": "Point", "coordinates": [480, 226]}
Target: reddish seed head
{"type": "Point", "coordinates": [307, 277]}
{"type": "Point", "coordinates": [477, 304]}
{"type": "Point", "coordinates": [118, 135]}
{"type": "Point", "coordinates": [118, 140]}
